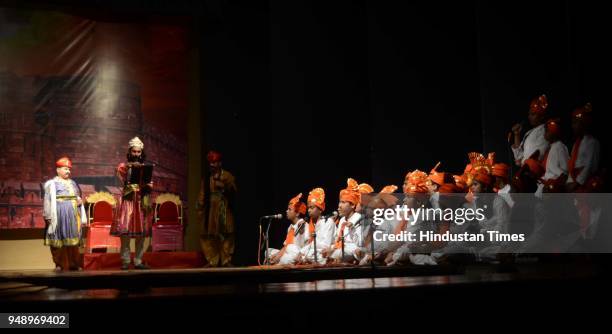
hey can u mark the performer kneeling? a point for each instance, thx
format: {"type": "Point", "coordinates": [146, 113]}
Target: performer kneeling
{"type": "Point", "coordinates": [297, 234]}
{"type": "Point", "coordinates": [64, 215]}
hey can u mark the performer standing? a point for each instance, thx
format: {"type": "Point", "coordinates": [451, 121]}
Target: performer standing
{"type": "Point", "coordinates": [555, 160]}
{"type": "Point", "coordinates": [135, 209]}
{"type": "Point", "coordinates": [64, 216]}
{"type": "Point", "coordinates": [217, 240]}
{"type": "Point", "coordinates": [583, 168]}
{"type": "Point", "coordinates": [584, 160]}
{"type": "Point", "coordinates": [533, 140]}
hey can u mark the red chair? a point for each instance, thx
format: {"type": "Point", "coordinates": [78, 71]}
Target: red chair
{"type": "Point", "coordinates": [168, 224]}
{"type": "Point", "coordinates": [101, 214]}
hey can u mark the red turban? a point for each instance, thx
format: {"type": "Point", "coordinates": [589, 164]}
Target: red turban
{"type": "Point", "coordinates": [539, 104]}
{"type": "Point", "coordinates": [213, 156]}
{"type": "Point", "coordinates": [63, 162]}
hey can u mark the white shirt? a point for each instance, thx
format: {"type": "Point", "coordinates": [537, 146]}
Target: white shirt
{"type": "Point", "coordinates": [588, 158]}
{"type": "Point", "coordinates": [556, 163]}
{"type": "Point", "coordinates": [505, 194]}
{"type": "Point", "coordinates": [353, 234]}
{"type": "Point", "coordinates": [434, 199]}
{"type": "Point", "coordinates": [325, 230]}
{"type": "Point", "coordinates": [299, 240]}
{"type": "Point", "coordinates": [532, 141]}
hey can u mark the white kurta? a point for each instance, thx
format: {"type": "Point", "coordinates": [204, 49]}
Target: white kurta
{"type": "Point", "coordinates": [353, 238]}
{"type": "Point", "coordinates": [588, 159]}
{"type": "Point", "coordinates": [505, 194]}
{"type": "Point", "coordinates": [292, 251]}
{"type": "Point", "coordinates": [532, 140]}
{"type": "Point", "coordinates": [403, 254]}
{"type": "Point", "coordinates": [434, 200]}
{"type": "Point", "coordinates": [556, 164]}
{"type": "Point", "coordinates": [50, 206]}
{"type": "Point", "coordinates": [325, 230]}
{"type": "Point", "coordinates": [500, 220]}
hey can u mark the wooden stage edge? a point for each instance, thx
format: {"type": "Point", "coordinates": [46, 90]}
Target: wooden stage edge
{"type": "Point", "coordinates": [275, 274]}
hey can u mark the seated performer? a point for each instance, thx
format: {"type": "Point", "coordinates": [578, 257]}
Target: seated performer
{"type": "Point", "coordinates": [297, 234]}
{"type": "Point", "coordinates": [321, 230]}
{"type": "Point", "coordinates": [385, 199]}
{"type": "Point", "coordinates": [533, 140]}
{"type": "Point", "coordinates": [64, 217]}
{"type": "Point", "coordinates": [348, 236]}
{"type": "Point", "coordinates": [435, 181]}
{"type": "Point", "coordinates": [416, 196]}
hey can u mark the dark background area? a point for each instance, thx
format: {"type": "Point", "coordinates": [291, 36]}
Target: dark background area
{"type": "Point", "coordinates": [302, 94]}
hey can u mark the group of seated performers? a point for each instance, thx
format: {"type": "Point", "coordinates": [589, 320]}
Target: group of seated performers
{"type": "Point", "coordinates": [543, 165]}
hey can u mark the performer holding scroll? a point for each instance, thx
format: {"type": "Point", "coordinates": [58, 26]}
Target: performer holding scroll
{"type": "Point", "coordinates": [135, 209]}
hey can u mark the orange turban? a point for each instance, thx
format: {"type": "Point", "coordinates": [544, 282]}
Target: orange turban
{"type": "Point", "coordinates": [317, 197]}
{"type": "Point", "coordinates": [439, 178]}
{"type": "Point", "coordinates": [553, 126]}
{"type": "Point", "coordinates": [583, 113]}
{"type": "Point", "coordinates": [417, 182]}
{"type": "Point", "coordinates": [539, 104]}
{"type": "Point", "coordinates": [63, 162]}
{"type": "Point", "coordinates": [482, 176]}
{"type": "Point", "coordinates": [467, 169]}
{"type": "Point", "coordinates": [388, 189]}
{"type": "Point", "coordinates": [386, 195]}
{"type": "Point", "coordinates": [448, 188]}
{"type": "Point", "coordinates": [365, 188]}
{"type": "Point", "coordinates": [534, 166]}
{"type": "Point", "coordinates": [298, 206]}
{"type": "Point", "coordinates": [351, 196]}
{"type": "Point", "coordinates": [500, 169]}
{"type": "Point", "coordinates": [351, 193]}
{"type": "Point", "coordinates": [461, 182]}
{"type": "Point", "coordinates": [213, 156]}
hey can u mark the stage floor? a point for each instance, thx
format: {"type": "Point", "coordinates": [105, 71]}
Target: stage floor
{"type": "Point", "coordinates": [292, 295]}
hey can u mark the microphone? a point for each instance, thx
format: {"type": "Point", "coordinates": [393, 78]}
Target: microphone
{"type": "Point", "coordinates": [331, 215]}
{"type": "Point", "coordinates": [277, 216]}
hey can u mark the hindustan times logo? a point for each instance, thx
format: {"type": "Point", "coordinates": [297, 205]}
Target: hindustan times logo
{"type": "Point", "coordinates": [412, 215]}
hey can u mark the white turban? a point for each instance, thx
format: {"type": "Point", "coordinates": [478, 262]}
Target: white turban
{"type": "Point", "coordinates": [136, 142]}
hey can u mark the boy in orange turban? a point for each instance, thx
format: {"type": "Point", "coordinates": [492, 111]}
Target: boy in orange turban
{"type": "Point", "coordinates": [297, 234]}
{"type": "Point", "coordinates": [320, 228]}
{"type": "Point", "coordinates": [348, 236]}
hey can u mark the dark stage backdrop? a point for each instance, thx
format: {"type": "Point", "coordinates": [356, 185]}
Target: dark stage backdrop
{"type": "Point", "coordinates": [301, 94]}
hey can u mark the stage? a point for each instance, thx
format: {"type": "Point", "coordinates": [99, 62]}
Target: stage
{"type": "Point", "coordinates": [289, 294]}
{"type": "Point", "coordinates": [156, 260]}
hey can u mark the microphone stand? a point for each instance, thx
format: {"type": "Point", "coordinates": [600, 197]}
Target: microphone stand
{"type": "Point", "coordinates": [373, 228]}
{"type": "Point", "coordinates": [342, 242]}
{"type": "Point", "coordinates": [314, 243]}
{"type": "Point", "coordinates": [266, 240]}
